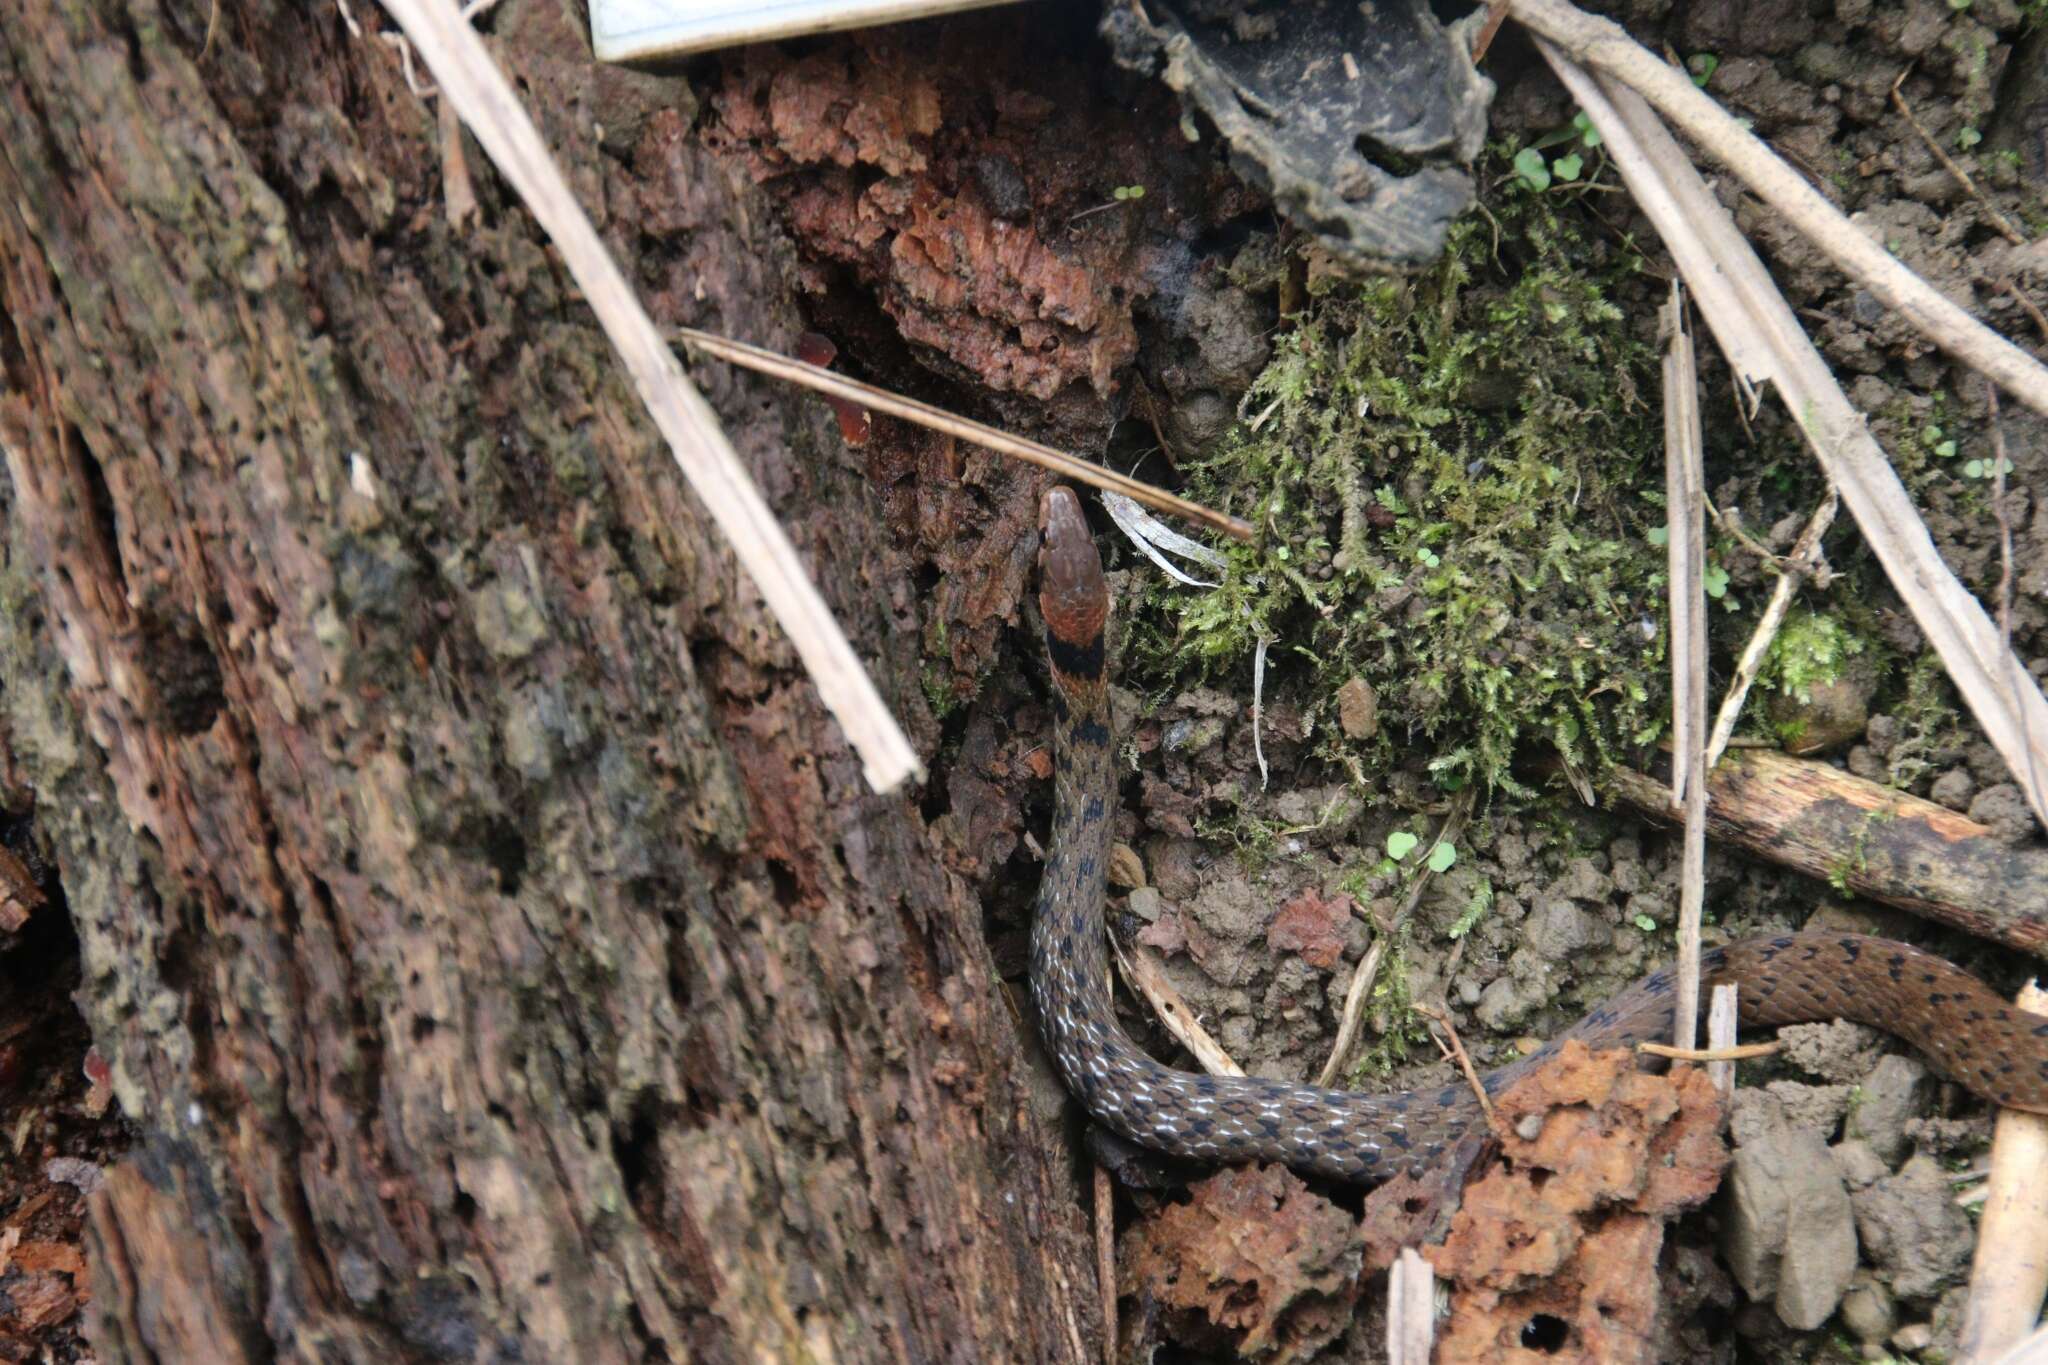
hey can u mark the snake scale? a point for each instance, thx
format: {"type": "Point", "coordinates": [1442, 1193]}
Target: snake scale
{"type": "Point", "coordinates": [1969, 1034]}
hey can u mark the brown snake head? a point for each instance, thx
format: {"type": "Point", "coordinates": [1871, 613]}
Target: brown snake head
{"type": "Point", "coordinates": [1071, 592]}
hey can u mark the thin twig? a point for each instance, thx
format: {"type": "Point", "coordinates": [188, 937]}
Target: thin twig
{"type": "Point", "coordinates": [765, 361]}
{"type": "Point", "coordinates": [2003, 515]}
{"type": "Point", "coordinates": [469, 78]}
{"type": "Point", "coordinates": [1740, 1052]}
{"type": "Point", "coordinates": [1455, 1049]}
{"type": "Point", "coordinates": [2028, 306]}
{"type": "Point", "coordinates": [1793, 567]}
{"type": "Point", "coordinates": [1368, 971]}
{"type": "Point", "coordinates": [1962, 177]}
{"type": "Point", "coordinates": [1105, 1259]}
{"type": "Point", "coordinates": [1144, 973]}
{"type": "Point", "coordinates": [1604, 45]}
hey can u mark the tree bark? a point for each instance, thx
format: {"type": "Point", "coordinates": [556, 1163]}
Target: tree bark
{"type": "Point", "coordinates": [491, 936]}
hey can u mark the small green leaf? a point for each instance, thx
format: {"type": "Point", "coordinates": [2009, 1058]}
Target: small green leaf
{"type": "Point", "coordinates": [1715, 581]}
{"type": "Point", "coordinates": [1703, 66]}
{"type": "Point", "coordinates": [1945, 449]}
{"type": "Point", "coordinates": [1442, 857]}
{"type": "Point", "coordinates": [1588, 134]}
{"type": "Point", "coordinates": [1646, 924]}
{"type": "Point", "coordinates": [1567, 168]}
{"type": "Point", "coordinates": [1530, 166]}
{"type": "Point", "coordinates": [1400, 844]}
{"type": "Point", "coordinates": [1968, 137]}
{"type": "Point", "coordinates": [1659, 535]}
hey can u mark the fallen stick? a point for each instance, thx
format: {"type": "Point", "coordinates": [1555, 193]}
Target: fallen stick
{"type": "Point", "coordinates": [1867, 839]}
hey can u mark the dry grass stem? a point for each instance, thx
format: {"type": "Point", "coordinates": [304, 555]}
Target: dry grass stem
{"type": "Point", "coordinates": [479, 92]}
{"type": "Point", "coordinates": [765, 361]}
{"type": "Point", "coordinates": [1602, 45]}
{"type": "Point", "coordinates": [1795, 566]}
{"type": "Point", "coordinates": [1685, 495]}
{"type": "Point", "coordinates": [1756, 329]}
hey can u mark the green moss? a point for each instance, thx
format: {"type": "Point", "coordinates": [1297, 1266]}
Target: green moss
{"type": "Point", "coordinates": [1811, 650]}
{"type": "Point", "coordinates": [1454, 477]}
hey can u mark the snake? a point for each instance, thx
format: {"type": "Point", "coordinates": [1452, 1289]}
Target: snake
{"type": "Point", "coordinates": [1967, 1032]}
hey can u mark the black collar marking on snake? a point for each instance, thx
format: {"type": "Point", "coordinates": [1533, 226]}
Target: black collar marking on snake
{"type": "Point", "coordinates": [1969, 1034]}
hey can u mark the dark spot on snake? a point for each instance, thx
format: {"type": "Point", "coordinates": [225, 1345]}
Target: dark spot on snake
{"type": "Point", "coordinates": [1447, 1094]}
{"type": "Point", "coordinates": [1092, 733]}
{"type": "Point", "coordinates": [1927, 978]}
{"type": "Point", "coordinates": [1094, 811]}
{"type": "Point", "coordinates": [1935, 997]}
{"type": "Point", "coordinates": [1852, 948]}
{"type": "Point", "coordinates": [1087, 868]}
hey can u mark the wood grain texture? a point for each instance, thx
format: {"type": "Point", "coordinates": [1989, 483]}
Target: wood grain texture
{"type": "Point", "coordinates": [1876, 842]}
{"type": "Point", "coordinates": [491, 936]}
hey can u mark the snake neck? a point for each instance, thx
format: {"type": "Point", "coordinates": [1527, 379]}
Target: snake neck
{"type": "Point", "coordinates": [1070, 961]}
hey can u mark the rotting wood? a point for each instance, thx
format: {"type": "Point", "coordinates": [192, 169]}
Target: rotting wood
{"type": "Point", "coordinates": [1867, 839]}
{"type": "Point", "coordinates": [491, 936]}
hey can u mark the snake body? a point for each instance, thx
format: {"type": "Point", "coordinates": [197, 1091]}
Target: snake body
{"type": "Point", "coordinates": [1966, 1031]}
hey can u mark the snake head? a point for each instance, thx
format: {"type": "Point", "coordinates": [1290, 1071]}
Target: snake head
{"type": "Point", "coordinates": [1071, 591]}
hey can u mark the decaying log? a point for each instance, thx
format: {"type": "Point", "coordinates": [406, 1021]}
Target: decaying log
{"type": "Point", "coordinates": [491, 936]}
{"type": "Point", "coordinates": [1867, 839]}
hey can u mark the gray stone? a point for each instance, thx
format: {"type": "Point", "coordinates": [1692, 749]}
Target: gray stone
{"type": "Point", "coordinates": [1895, 1091]}
{"type": "Point", "coordinates": [1868, 1309]}
{"type": "Point", "coordinates": [1839, 1051]}
{"type": "Point", "coordinates": [1912, 1231]}
{"type": "Point", "coordinates": [1507, 1001]}
{"type": "Point", "coordinates": [1953, 789]}
{"type": "Point", "coordinates": [2004, 808]}
{"type": "Point", "coordinates": [1818, 1108]}
{"type": "Point", "coordinates": [1558, 929]}
{"type": "Point", "coordinates": [1786, 1226]}
{"type": "Point", "coordinates": [1858, 1164]}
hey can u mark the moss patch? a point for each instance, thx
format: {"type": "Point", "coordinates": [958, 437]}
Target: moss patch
{"type": "Point", "coordinates": [1455, 477]}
